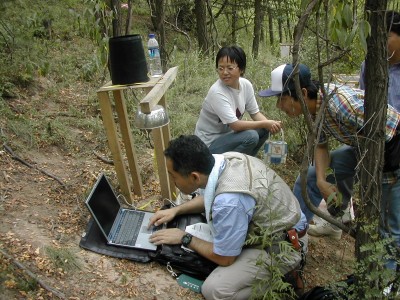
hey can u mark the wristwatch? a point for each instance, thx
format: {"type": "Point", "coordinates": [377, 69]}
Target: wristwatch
{"type": "Point", "coordinates": [186, 239]}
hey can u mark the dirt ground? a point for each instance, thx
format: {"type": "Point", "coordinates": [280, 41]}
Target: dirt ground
{"type": "Point", "coordinates": [40, 215]}
{"type": "Point", "coordinates": [37, 213]}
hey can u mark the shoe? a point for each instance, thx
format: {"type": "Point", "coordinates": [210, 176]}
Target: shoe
{"type": "Point", "coordinates": [324, 228]}
{"type": "Point", "coordinates": [387, 291]}
{"type": "Point", "coordinates": [348, 215]}
{"type": "Point", "coordinates": [348, 212]}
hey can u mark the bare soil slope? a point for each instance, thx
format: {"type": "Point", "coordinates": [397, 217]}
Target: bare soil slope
{"type": "Point", "coordinates": [39, 217]}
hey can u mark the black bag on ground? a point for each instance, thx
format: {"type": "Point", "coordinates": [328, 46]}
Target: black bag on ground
{"type": "Point", "coordinates": [94, 240]}
{"type": "Point", "coordinates": [337, 291]}
{"type": "Point", "coordinates": [180, 260]}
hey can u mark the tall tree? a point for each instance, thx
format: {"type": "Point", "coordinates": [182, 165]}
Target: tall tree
{"type": "Point", "coordinates": [270, 22]}
{"type": "Point", "coordinates": [157, 18]}
{"type": "Point", "coordinates": [201, 25]}
{"type": "Point", "coordinates": [279, 18]}
{"type": "Point", "coordinates": [234, 20]}
{"type": "Point", "coordinates": [373, 145]}
{"type": "Point", "coordinates": [258, 19]}
{"type": "Point", "coordinates": [116, 21]}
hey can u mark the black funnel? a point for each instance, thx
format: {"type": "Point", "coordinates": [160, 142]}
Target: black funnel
{"type": "Point", "coordinates": [127, 60]}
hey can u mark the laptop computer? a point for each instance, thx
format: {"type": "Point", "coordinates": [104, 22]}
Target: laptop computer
{"type": "Point", "coordinates": [120, 226]}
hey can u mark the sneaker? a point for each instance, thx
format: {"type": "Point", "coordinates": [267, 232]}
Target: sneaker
{"type": "Point", "coordinates": [387, 291]}
{"type": "Point", "coordinates": [348, 215]}
{"type": "Point", "coordinates": [348, 212]}
{"type": "Point", "coordinates": [325, 229]}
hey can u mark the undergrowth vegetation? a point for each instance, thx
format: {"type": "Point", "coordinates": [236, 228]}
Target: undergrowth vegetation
{"type": "Point", "coordinates": [52, 64]}
{"type": "Point", "coordinates": [53, 61]}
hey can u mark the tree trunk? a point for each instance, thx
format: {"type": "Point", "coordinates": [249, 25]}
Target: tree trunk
{"type": "Point", "coordinates": [288, 29]}
{"type": "Point", "coordinates": [372, 146]}
{"type": "Point", "coordinates": [116, 21]}
{"type": "Point", "coordinates": [234, 20]}
{"type": "Point", "coordinates": [258, 18]}
{"type": "Point", "coordinates": [129, 18]}
{"type": "Point", "coordinates": [157, 18]}
{"type": "Point", "coordinates": [270, 24]}
{"type": "Point", "coordinates": [201, 22]}
{"type": "Point", "coordinates": [278, 9]}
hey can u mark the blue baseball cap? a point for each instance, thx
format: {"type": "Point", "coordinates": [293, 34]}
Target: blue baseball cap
{"type": "Point", "coordinates": [282, 80]}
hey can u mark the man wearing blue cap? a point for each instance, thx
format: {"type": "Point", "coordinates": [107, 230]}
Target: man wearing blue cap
{"type": "Point", "coordinates": [282, 83]}
{"type": "Point", "coordinates": [343, 120]}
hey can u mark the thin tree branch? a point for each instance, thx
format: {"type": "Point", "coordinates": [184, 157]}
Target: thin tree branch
{"type": "Point", "coordinates": [107, 161]}
{"type": "Point", "coordinates": [33, 275]}
{"type": "Point", "coordinates": [17, 158]}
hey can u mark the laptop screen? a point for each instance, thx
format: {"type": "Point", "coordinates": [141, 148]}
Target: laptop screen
{"type": "Point", "coordinates": [104, 204]}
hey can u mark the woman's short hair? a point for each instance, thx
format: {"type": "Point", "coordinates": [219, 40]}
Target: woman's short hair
{"type": "Point", "coordinates": [235, 54]}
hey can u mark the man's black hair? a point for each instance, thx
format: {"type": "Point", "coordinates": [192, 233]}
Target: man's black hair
{"type": "Point", "coordinates": [189, 154]}
{"type": "Point", "coordinates": [393, 21]}
{"type": "Point", "coordinates": [235, 54]}
{"type": "Point", "coordinates": [312, 91]}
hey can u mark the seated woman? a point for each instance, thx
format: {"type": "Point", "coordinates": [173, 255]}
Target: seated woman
{"type": "Point", "coordinates": [220, 125]}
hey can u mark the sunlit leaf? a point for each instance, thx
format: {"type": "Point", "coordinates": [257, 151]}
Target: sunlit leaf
{"type": "Point", "coordinates": [347, 16]}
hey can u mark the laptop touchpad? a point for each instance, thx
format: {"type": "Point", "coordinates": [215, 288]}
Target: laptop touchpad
{"type": "Point", "coordinates": [146, 230]}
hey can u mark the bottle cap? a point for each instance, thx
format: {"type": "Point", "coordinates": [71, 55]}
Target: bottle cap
{"type": "Point", "coordinates": [152, 35]}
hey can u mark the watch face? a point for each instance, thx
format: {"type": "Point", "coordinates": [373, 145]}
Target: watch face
{"type": "Point", "coordinates": [186, 239]}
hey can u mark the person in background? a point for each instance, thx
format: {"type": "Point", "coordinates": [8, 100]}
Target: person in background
{"type": "Point", "coordinates": [343, 120]}
{"type": "Point", "coordinates": [321, 227]}
{"type": "Point", "coordinates": [393, 46]}
{"type": "Point", "coordinates": [241, 197]}
{"type": "Point", "coordinates": [220, 125]}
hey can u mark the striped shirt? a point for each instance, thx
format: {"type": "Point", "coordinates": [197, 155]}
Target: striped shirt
{"type": "Point", "coordinates": [344, 118]}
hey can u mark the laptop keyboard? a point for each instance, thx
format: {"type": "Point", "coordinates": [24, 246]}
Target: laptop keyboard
{"type": "Point", "coordinates": [129, 228]}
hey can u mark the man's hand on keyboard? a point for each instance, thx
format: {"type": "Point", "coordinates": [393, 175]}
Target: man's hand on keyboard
{"type": "Point", "coordinates": [162, 216]}
{"type": "Point", "coordinates": [171, 236]}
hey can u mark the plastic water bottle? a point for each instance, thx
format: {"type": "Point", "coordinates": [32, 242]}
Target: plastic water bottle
{"type": "Point", "coordinates": [154, 56]}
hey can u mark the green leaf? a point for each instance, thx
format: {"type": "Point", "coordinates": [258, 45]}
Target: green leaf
{"type": "Point", "coordinates": [341, 34]}
{"type": "Point", "coordinates": [350, 37]}
{"type": "Point", "coordinates": [365, 30]}
{"type": "Point", "coordinates": [347, 16]}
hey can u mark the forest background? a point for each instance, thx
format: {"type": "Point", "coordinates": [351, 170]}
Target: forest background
{"type": "Point", "coordinates": [54, 57]}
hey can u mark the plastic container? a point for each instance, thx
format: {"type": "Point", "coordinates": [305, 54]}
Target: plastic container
{"type": "Point", "coordinates": [154, 56]}
{"type": "Point", "coordinates": [128, 63]}
{"type": "Point", "coordinates": [275, 151]}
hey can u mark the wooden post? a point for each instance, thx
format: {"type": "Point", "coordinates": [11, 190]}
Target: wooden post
{"type": "Point", "coordinates": [155, 88]}
{"type": "Point", "coordinates": [161, 136]}
{"type": "Point", "coordinates": [126, 133]}
{"type": "Point", "coordinates": [112, 136]}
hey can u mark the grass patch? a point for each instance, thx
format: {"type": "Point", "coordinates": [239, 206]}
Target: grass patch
{"type": "Point", "coordinates": [63, 259]}
{"type": "Point", "coordinates": [15, 279]}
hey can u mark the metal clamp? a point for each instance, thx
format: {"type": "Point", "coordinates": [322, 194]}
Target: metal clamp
{"type": "Point", "coordinates": [171, 270]}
